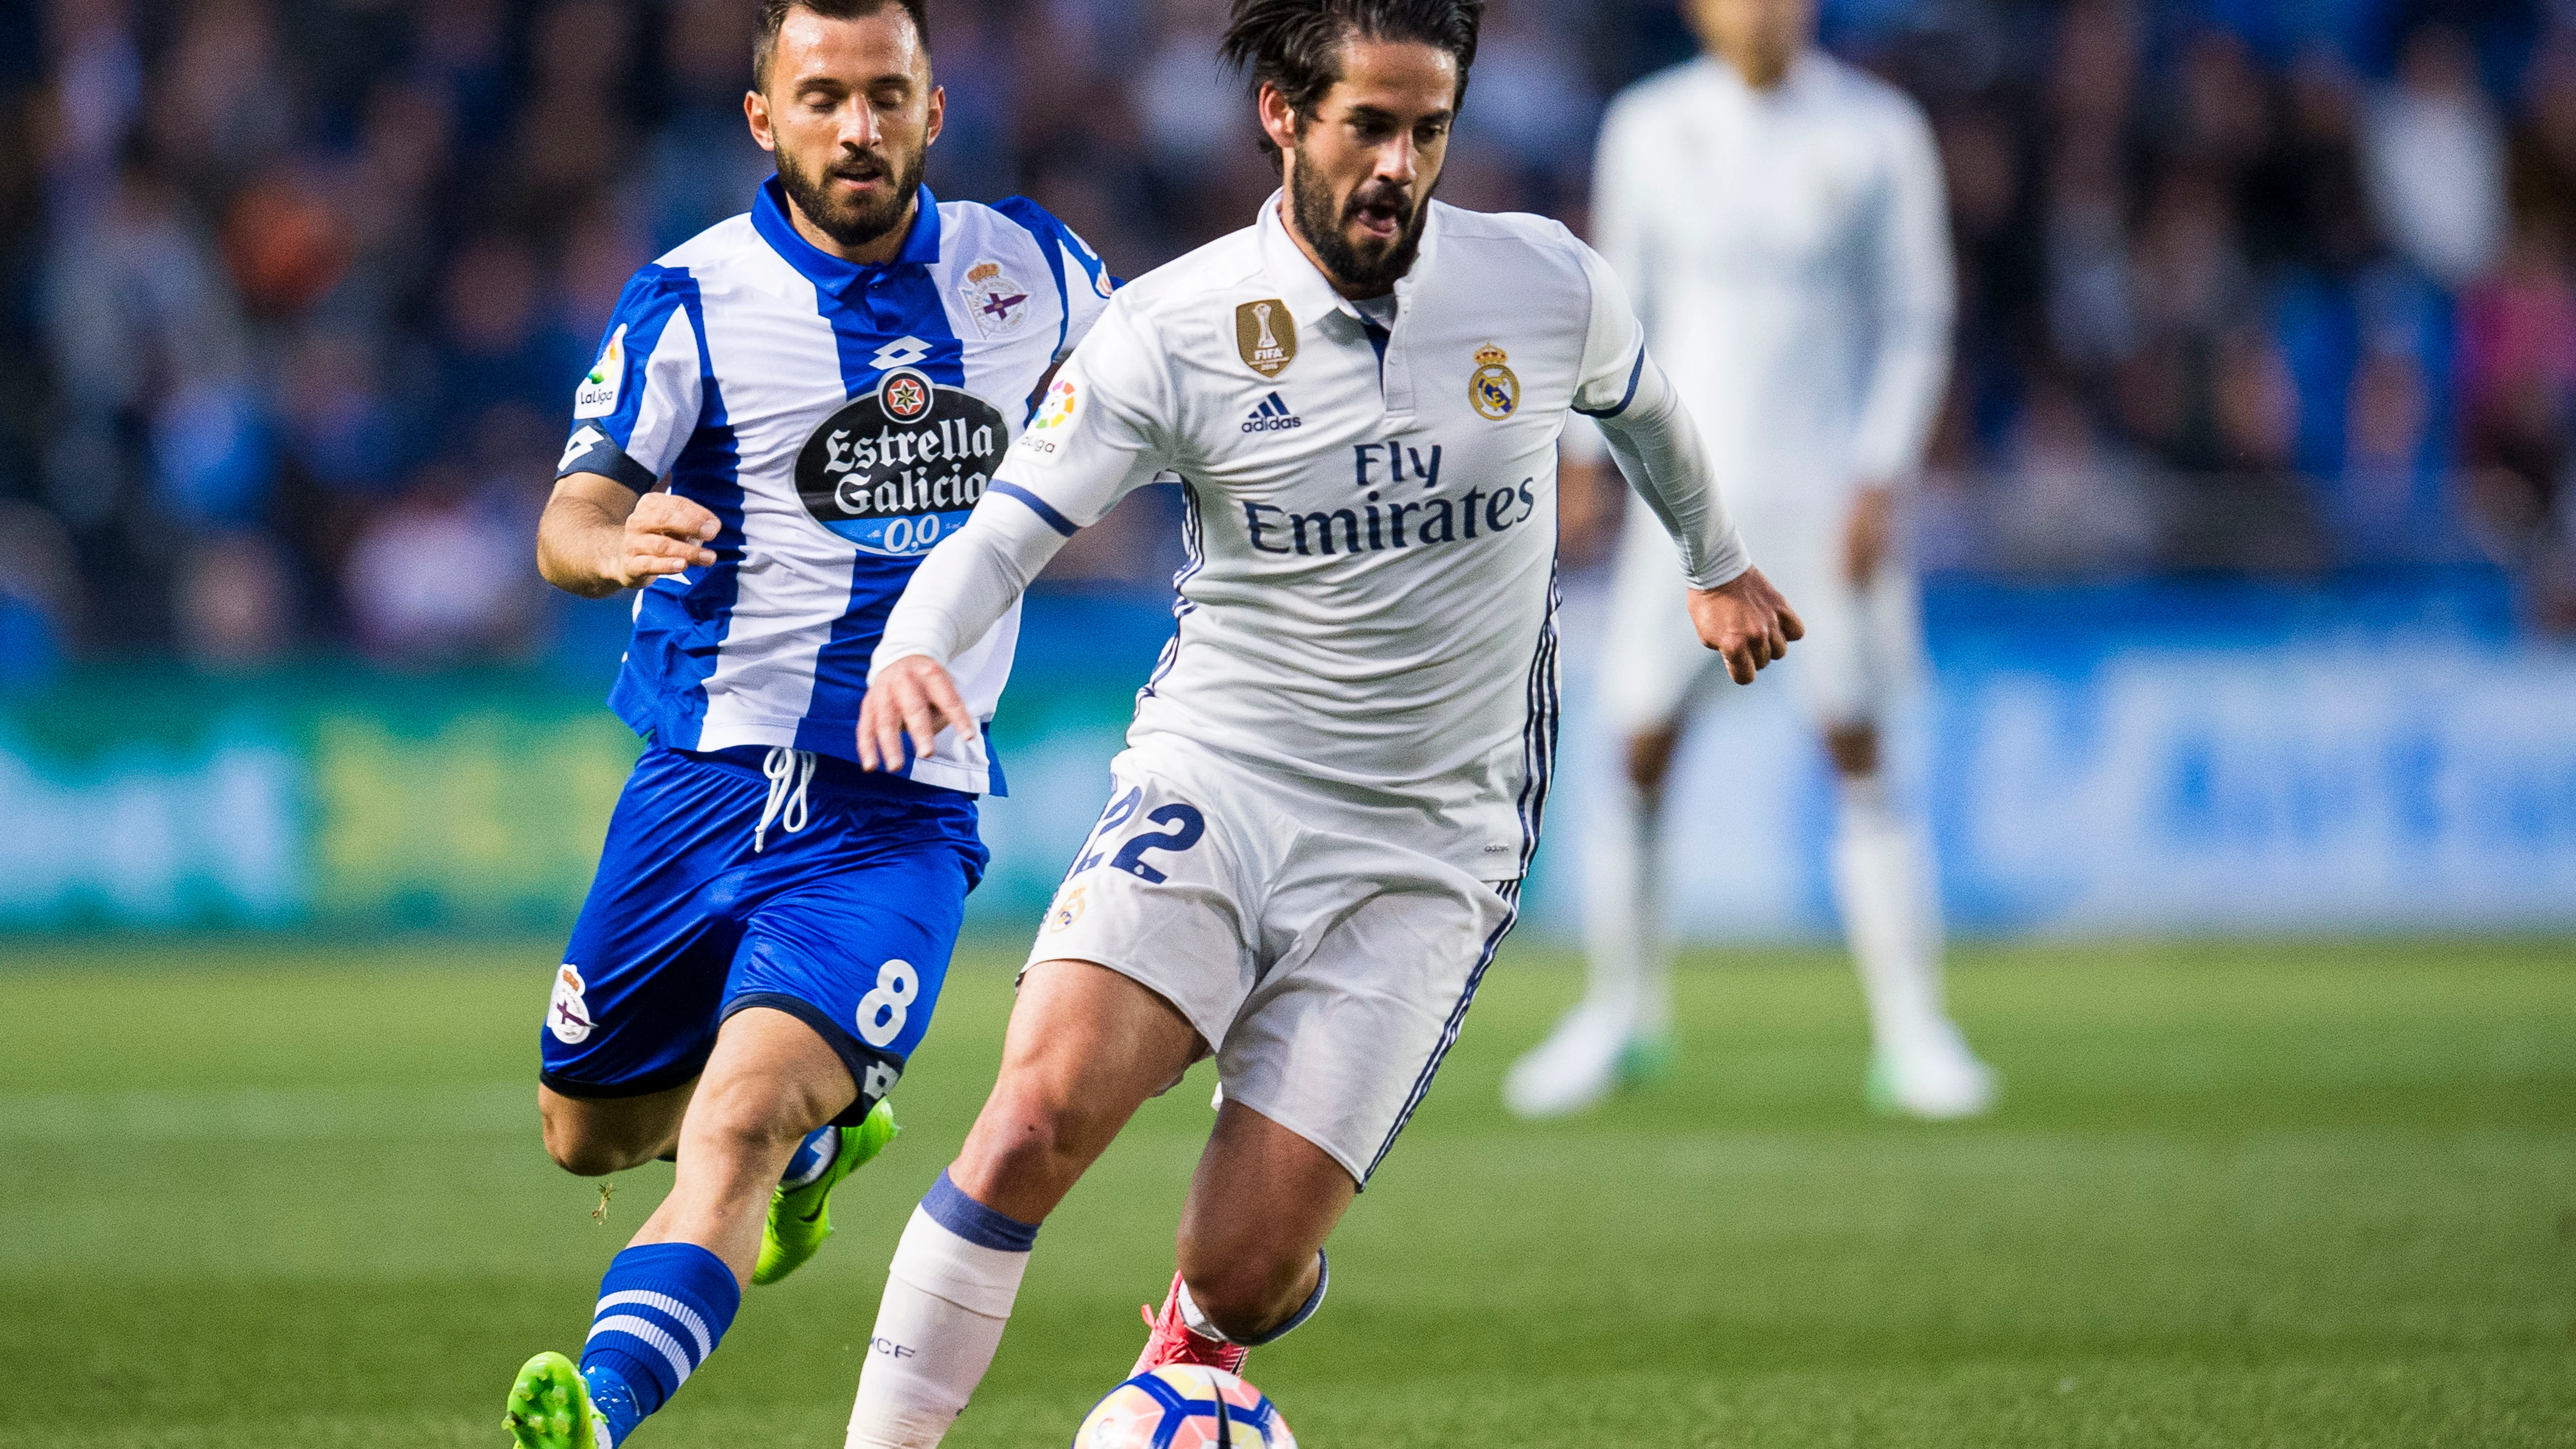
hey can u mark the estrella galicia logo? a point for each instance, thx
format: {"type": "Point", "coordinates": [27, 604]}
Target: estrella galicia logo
{"type": "Point", "coordinates": [901, 465]}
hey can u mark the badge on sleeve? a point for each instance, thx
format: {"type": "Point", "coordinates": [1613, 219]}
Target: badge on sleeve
{"type": "Point", "coordinates": [597, 395]}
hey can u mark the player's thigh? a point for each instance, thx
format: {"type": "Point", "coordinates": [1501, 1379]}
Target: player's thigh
{"type": "Point", "coordinates": [595, 1136]}
{"type": "Point", "coordinates": [852, 934]}
{"type": "Point", "coordinates": [1342, 1040]}
{"type": "Point", "coordinates": [633, 1008]}
{"type": "Point", "coordinates": [1167, 890]}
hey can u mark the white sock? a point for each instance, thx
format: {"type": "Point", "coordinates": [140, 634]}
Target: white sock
{"type": "Point", "coordinates": [948, 1294]}
{"type": "Point", "coordinates": [1624, 926]}
{"type": "Point", "coordinates": [1882, 887]}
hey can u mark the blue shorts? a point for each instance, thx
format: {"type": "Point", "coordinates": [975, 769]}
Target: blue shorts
{"type": "Point", "coordinates": [845, 924]}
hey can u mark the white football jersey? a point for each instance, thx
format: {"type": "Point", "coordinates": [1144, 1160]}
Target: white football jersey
{"type": "Point", "coordinates": [1368, 611]}
{"type": "Point", "coordinates": [1789, 252]}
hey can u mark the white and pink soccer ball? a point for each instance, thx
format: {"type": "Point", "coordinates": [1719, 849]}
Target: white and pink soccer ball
{"type": "Point", "coordinates": [1184, 1406]}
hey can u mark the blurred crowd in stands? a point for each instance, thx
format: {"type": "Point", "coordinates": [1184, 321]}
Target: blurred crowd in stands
{"type": "Point", "coordinates": [296, 290]}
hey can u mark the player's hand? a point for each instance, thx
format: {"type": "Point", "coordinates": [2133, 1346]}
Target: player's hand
{"type": "Point", "coordinates": [1747, 621]}
{"type": "Point", "coordinates": [664, 535]}
{"type": "Point", "coordinates": [912, 696]}
{"type": "Point", "coordinates": [1866, 534]}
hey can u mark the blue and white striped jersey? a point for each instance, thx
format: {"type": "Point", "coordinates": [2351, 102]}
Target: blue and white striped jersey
{"type": "Point", "coordinates": [839, 420]}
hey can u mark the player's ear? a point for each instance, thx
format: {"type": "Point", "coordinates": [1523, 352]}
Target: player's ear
{"type": "Point", "coordinates": [1278, 118]}
{"type": "Point", "coordinates": [755, 109]}
{"type": "Point", "coordinates": [938, 114]}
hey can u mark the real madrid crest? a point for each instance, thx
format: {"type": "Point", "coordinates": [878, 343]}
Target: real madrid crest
{"type": "Point", "coordinates": [1494, 388]}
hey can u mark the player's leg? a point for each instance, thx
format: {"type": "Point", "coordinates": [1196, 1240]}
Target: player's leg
{"type": "Point", "coordinates": [1883, 874]}
{"type": "Point", "coordinates": [1086, 1047]}
{"type": "Point", "coordinates": [594, 1136]}
{"type": "Point", "coordinates": [1651, 666]}
{"type": "Point", "coordinates": [1324, 1065]}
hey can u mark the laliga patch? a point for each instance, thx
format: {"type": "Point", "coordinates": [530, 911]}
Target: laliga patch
{"type": "Point", "coordinates": [1494, 388]}
{"type": "Point", "coordinates": [998, 304]}
{"type": "Point", "coordinates": [1266, 336]}
{"type": "Point", "coordinates": [597, 395]}
{"type": "Point", "coordinates": [567, 1015]}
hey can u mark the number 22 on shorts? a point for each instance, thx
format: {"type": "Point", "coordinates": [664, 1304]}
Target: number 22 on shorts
{"type": "Point", "coordinates": [1185, 826]}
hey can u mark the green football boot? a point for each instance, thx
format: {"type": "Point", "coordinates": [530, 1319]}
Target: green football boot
{"type": "Point", "coordinates": [1644, 1060]}
{"type": "Point", "coordinates": [550, 1407]}
{"type": "Point", "coordinates": [801, 1218]}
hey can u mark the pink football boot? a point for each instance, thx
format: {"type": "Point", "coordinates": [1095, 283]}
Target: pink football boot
{"type": "Point", "coordinates": [1174, 1342]}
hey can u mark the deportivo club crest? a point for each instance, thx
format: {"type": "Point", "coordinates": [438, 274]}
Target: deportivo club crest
{"type": "Point", "coordinates": [1266, 335]}
{"type": "Point", "coordinates": [1494, 388]}
{"type": "Point", "coordinates": [997, 303]}
{"type": "Point", "coordinates": [900, 466]}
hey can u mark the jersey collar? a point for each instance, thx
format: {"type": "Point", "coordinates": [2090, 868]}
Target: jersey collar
{"type": "Point", "coordinates": [1302, 284]}
{"type": "Point", "coordinates": [824, 270]}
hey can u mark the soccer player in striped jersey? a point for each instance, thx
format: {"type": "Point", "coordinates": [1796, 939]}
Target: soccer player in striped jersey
{"type": "Point", "coordinates": [1778, 215]}
{"type": "Point", "coordinates": [1315, 839]}
{"type": "Point", "coordinates": [788, 412]}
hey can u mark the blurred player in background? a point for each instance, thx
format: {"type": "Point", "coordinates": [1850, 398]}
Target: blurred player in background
{"type": "Point", "coordinates": [1779, 216]}
{"type": "Point", "coordinates": [1315, 839]}
{"type": "Point", "coordinates": [827, 384]}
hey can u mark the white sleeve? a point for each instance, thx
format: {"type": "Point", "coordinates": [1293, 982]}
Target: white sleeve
{"type": "Point", "coordinates": [1651, 436]}
{"type": "Point", "coordinates": [1914, 290]}
{"type": "Point", "coordinates": [1097, 436]}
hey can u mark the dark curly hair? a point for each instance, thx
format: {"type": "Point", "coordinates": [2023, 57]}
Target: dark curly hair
{"type": "Point", "coordinates": [1295, 46]}
{"type": "Point", "coordinates": [773, 14]}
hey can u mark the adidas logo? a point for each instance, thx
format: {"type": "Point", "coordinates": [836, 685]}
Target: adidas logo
{"type": "Point", "coordinates": [1272, 417]}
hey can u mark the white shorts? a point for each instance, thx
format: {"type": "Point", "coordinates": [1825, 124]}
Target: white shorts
{"type": "Point", "coordinates": [1328, 972]}
{"type": "Point", "coordinates": [1863, 648]}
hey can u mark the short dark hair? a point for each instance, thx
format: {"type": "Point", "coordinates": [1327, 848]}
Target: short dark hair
{"type": "Point", "coordinates": [773, 14]}
{"type": "Point", "coordinates": [1295, 46]}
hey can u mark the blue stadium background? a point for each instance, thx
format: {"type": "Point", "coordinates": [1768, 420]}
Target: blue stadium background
{"type": "Point", "coordinates": [2249, 541]}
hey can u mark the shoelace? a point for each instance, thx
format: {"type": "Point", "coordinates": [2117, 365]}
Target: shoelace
{"type": "Point", "coordinates": [789, 772]}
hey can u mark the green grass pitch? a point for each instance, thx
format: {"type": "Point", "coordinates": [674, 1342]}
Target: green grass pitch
{"type": "Point", "coordinates": [292, 1196]}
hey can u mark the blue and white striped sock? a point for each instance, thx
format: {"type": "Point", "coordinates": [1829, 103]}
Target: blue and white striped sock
{"type": "Point", "coordinates": [662, 1309]}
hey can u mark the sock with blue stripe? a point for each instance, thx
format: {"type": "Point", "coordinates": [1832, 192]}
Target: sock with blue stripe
{"type": "Point", "coordinates": [662, 1309]}
{"type": "Point", "coordinates": [948, 1293]}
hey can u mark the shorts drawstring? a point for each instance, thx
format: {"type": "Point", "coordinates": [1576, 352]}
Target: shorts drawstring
{"type": "Point", "coordinates": [786, 800]}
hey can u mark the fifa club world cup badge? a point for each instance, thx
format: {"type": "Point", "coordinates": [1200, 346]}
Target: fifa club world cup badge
{"type": "Point", "coordinates": [1266, 335]}
{"type": "Point", "coordinates": [1493, 388]}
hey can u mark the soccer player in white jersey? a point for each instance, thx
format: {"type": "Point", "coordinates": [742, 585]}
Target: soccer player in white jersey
{"type": "Point", "coordinates": [1314, 841]}
{"type": "Point", "coordinates": [1779, 217]}
{"type": "Point", "coordinates": [788, 412]}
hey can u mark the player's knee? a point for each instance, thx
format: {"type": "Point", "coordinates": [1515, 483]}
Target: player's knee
{"type": "Point", "coordinates": [1650, 756]}
{"type": "Point", "coordinates": [1854, 748]}
{"type": "Point", "coordinates": [752, 1115]}
{"type": "Point", "coordinates": [580, 1148]}
{"type": "Point", "coordinates": [1034, 1133]}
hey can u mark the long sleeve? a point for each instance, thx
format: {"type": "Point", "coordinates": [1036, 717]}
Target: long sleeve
{"type": "Point", "coordinates": [1913, 289]}
{"type": "Point", "coordinates": [1096, 437]}
{"type": "Point", "coordinates": [1651, 436]}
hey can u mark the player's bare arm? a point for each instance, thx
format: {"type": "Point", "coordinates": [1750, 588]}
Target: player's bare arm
{"type": "Point", "coordinates": [598, 536]}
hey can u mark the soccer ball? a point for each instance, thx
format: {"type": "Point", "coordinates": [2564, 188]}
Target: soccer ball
{"type": "Point", "coordinates": [1184, 1406]}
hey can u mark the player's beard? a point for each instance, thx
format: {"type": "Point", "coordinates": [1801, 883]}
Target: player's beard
{"type": "Point", "coordinates": [1360, 266]}
{"type": "Point", "coordinates": [851, 223]}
